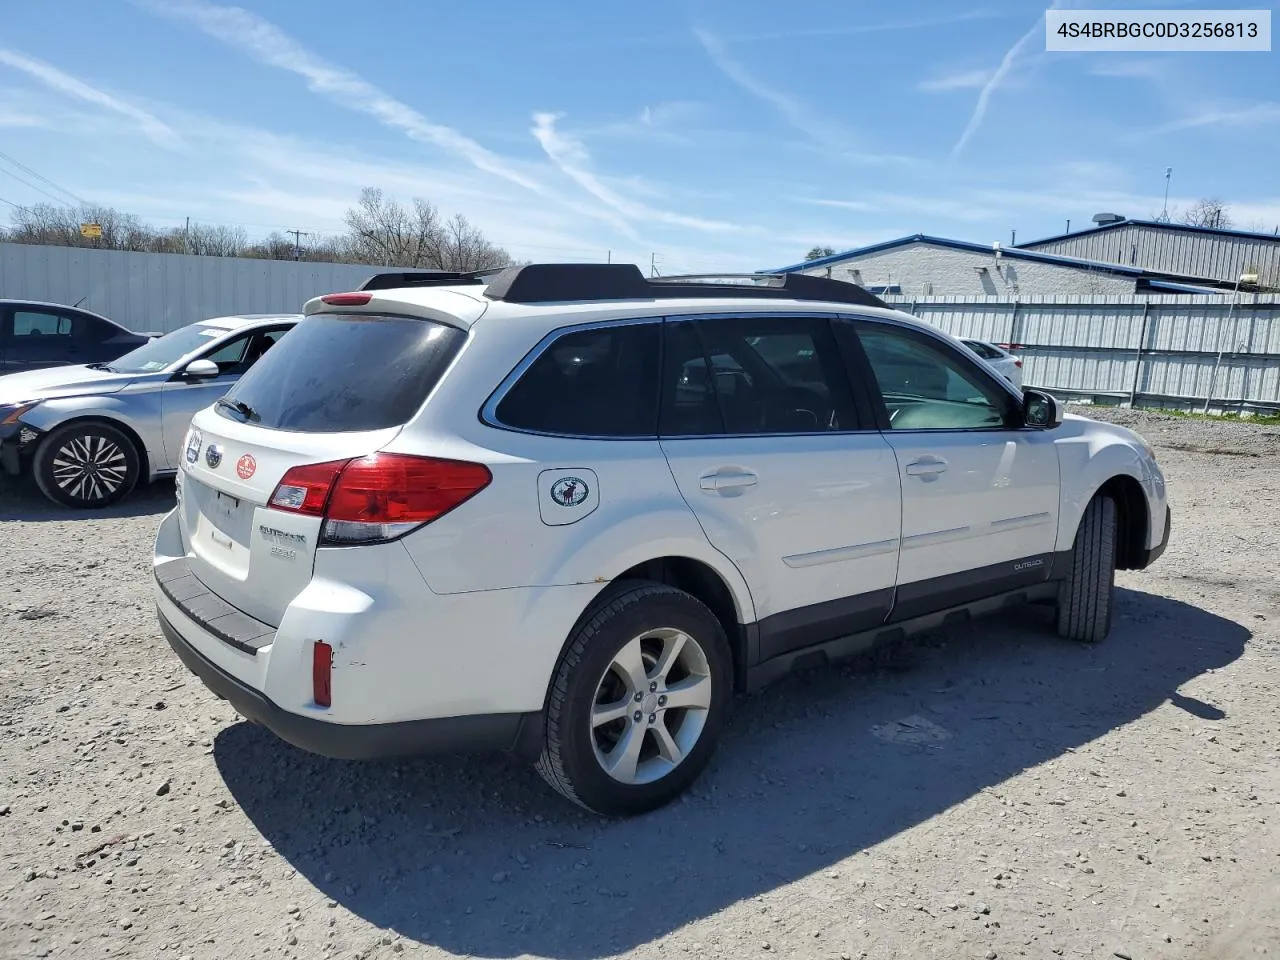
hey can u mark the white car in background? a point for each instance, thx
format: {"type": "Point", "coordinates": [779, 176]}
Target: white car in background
{"type": "Point", "coordinates": [1004, 362]}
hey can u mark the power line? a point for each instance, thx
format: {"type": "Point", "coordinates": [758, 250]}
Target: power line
{"type": "Point", "coordinates": [55, 199]}
{"type": "Point", "coordinates": [15, 206]}
{"type": "Point", "coordinates": [61, 189]}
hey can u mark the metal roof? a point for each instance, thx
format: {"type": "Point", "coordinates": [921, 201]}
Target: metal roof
{"type": "Point", "coordinates": [1157, 225]}
{"type": "Point", "coordinates": [1013, 253]}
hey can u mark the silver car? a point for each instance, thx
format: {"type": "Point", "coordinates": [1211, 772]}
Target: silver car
{"type": "Point", "coordinates": [88, 434]}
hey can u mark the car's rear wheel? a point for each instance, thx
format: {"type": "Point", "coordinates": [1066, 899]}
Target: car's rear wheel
{"type": "Point", "coordinates": [85, 465]}
{"type": "Point", "coordinates": [1086, 595]}
{"type": "Point", "coordinates": [637, 702]}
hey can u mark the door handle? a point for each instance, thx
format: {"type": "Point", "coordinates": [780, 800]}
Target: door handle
{"type": "Point", "coordinates": [728, 480]}
{"type": "Point", "coordinates": [926, 467]}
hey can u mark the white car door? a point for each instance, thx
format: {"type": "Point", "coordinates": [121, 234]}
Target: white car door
{"type": "Point", "coordinates": [764, 440]}
{"type": "Point", "coordinates": [979, 491]}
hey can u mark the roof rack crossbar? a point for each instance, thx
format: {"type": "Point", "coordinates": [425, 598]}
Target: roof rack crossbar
{"type": "Point", "coordinates": [570, 282]}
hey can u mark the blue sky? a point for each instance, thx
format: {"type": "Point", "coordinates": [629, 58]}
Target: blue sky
{"type": "Point", "coordinates": [716, 135]}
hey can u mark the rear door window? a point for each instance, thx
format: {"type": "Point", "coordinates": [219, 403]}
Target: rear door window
{"type": "Point", "coordinates": [761, 375]}
{"type": "Point", "coordinates": [346, 372]}
{"type": "Point", "coordinates": [601, 382]}
{"type": "Point", "coordinates": [33, 323]}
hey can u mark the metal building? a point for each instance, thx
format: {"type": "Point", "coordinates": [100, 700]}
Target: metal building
{"type": "Point", "coordinates": [1172, 248]}
{"type": "Point", "coordinates": [924, 266]}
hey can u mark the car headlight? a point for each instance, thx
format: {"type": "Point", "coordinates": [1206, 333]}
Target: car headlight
{"type": "Point", "coordinates": [10, 412]}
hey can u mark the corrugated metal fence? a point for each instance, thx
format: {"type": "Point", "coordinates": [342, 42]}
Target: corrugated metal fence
{"type": "Point", "coordinates": [164, 291]}
{"type": "Point", "coordinates": [1152, 351]}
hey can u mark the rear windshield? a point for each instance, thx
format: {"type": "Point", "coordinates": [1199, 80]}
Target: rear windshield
{"type": "Point", "coordinates": [343, 372]}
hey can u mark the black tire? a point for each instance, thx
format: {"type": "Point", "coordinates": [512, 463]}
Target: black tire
{"type": "Point", "coordinates": [1086, 595]}
{"type": "Point", "coordinates": [569, 760]}
{"type": "Point", "coordinates": [86, 465]}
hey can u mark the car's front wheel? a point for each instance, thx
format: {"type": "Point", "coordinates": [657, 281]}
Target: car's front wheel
{"type": "Point", "coordinates": [1085, 596]}
{"type": "Point", "coordinates": [85, 465]}
{"type": "Point", "coordinates": [637, 701]}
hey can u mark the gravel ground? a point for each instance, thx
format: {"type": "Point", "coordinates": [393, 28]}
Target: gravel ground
{"type": "Point", "coordinates": [987, 792]}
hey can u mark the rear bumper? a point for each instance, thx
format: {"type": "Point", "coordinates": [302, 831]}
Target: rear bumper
{"type": "Point", "coordinates": [489, 732]}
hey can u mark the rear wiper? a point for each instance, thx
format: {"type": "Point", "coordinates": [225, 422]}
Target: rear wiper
{"type": "Point", "coordinates": [240, 407]}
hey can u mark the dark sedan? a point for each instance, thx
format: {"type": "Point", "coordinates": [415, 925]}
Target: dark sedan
{"type": "Point", "coordinates": [34, 335]}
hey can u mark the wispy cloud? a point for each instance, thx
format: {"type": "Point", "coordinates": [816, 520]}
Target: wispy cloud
{"type": "Point", "coordinates": [858, 29]}
{"type": "Point", "coordinates": [963, 80]}
{"type": "Point", "coordinates": [998, 77]}
{"type": "Point", "coordinates": [266, 43]}
{"type": "Point", "coordinates": [792, 33]}
{"type": "Point", "coordinates": [14, 118]}
{"type": "Point", "coordinates": [1138, 69]}
{"type": "Point", "coordinates": [70, 86]}
{"type": "Point", "coordinates": [571, 157]}
{"type": "Point", "coordinates": [1257, 113]}
{"type": "Point", "coordinates": [796, 113]}
{"type": "Point", "coordinates": [661, 121]}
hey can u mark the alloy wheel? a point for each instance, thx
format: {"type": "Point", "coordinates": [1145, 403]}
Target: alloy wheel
{"type": "Point", "coordinates": [650, 706]}
{"type": "Point", "coordinates": [90, 467]}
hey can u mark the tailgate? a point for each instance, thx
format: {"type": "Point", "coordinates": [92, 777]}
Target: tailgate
{"type": "Point", "coordinates": [255, 558]}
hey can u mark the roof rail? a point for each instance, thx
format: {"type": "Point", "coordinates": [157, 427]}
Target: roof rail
{"type": "Point", "coordinates": [426, 278]}
{"type": "Point", "coordinates": [568, 282]}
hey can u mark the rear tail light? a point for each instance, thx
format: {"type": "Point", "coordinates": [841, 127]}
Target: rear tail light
{"type": "Point", "coordinates": [378, 497]}
{"type": "Point", "coordinates": [1017, 362]}
{"type": "Point", "coordinates": [322, 674]}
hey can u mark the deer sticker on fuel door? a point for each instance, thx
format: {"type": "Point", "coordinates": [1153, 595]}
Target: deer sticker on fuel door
{"type": "Point", "coordinates": [567, 495]}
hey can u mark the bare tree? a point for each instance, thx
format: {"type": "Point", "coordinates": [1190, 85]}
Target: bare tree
{"type": "Point", "coordinates": [1209, 212]}
{"type": "Point", "coordinates": [1258, 225]}
{"type": "Point", "coordinates": [214, 241]}
{"type": "Point", "coordinates": [382, 231]}
{"type": "Point", "coordinates": [45, 223]}
{"type": "Point", "coordinates": [817, 253]}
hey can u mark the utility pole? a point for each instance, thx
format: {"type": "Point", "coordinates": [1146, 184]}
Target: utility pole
{"type": "Point", "coordinates": [1168, 174]}
{"type": "Point", "coordinates": [186, 237]}
{"type": "Point", "coordinates": [1068, 226]}
{"type": "Point", "coordinates": [1013, 238]}
{"type": "Point", "coordinates": [653, 264]}
{"type": "Point", "coordinates": [608, 256]}
{"type": "Point", "coordinates": [297, 242]}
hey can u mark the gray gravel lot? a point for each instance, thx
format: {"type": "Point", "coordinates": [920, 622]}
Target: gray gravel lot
{"type": "Point", "coordinates": [990, 791]}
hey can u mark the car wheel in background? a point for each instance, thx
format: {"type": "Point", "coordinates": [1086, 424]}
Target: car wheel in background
{"type": "Point", "coordinates": [1085, 596]}
{"type": "Point", "coordinates": [84, 465]}
{"type": "Point", "coordinates": [637, 701]}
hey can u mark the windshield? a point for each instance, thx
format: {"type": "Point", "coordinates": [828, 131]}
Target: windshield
{"type": "Point", "coordinates": [156, 355]}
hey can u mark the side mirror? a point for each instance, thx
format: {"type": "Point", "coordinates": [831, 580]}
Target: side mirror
{"type": "Point", "coordinates": [200, 370]}
{"type": "Point", "coordinates": [1040, 410]}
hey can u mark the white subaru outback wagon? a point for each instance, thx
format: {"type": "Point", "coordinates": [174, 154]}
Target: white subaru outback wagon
{"type": "Point", "coordinates": [569, 511]}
